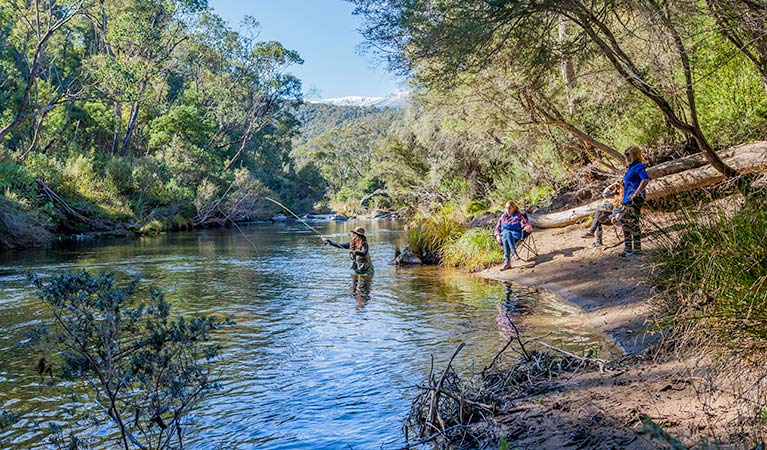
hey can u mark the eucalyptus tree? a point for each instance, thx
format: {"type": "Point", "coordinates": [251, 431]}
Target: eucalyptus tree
{"type": "Point", "coordinates": [138, 38]}
{"type": "Point", "coordinates": [242, 91]}
{"type": "Point", "coordinates": [512, 66]}
{"type": "Point", "coordinates": [32, 74]}
{"type": "Point", "coordinates": [648, 44]}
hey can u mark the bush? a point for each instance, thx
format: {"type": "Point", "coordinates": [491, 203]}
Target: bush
{"type": "Point", "coordinates": [146, 368]}
{"type": "Point", "coordinates": [520, 189]}
{"type": "Point", "coordinates": [474, 250]}
{"type": "Point", "coordinates": [19, 180]}
{"type": "Point", "coordinates": [476, 206]}
{"type": "Point", "coordinates": [713, 276]}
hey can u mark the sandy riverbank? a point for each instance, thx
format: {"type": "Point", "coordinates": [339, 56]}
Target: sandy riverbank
{"type": "Point", "coordinates": [606, 410]}
{"type": "Point", "coordinates": [613, 291]}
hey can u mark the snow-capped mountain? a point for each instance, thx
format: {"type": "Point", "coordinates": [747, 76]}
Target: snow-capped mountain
{"type": "Point", "coordinates": [396, 99]}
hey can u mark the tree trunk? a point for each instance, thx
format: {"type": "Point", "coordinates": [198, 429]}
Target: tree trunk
{"type": "Point", "coordinates": [129, 130]}
{"type": "Point", "coordinates": [118, 127]}
{"type": "Point", "coordinates": [603, 37]}
{"type": "Point", "coordinates": [746, 158]}
{"type": "Point", "coordinates": [567, 67]}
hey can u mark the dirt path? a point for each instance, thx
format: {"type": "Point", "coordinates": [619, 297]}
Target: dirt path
{"type": "Point", "coordinates": [593, 410]}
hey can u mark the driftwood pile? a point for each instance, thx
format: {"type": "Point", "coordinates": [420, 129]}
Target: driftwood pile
{"type": "Point", "coordinates": [457, 410]}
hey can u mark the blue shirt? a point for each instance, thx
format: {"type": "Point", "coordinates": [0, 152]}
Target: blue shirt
{"type": "Point", "coordinates": [634, 175]}
{"type": "Point", "coordinates": [511, 223]}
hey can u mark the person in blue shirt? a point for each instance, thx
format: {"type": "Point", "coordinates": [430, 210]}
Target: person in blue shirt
{"type": "Point", "coordinates": [509, 230]}
{"type": "Point", "coordinates": [635, 181]}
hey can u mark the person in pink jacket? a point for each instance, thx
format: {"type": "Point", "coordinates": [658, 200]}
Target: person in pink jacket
{"type": "Point", "coordinates": [509, 230]}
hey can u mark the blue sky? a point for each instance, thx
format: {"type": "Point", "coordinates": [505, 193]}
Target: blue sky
{"type": "Point", "coordinates": [324, 32]}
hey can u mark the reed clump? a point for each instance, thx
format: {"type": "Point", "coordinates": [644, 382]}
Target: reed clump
{"type": "Point", "coordinates": [473, 251]}
{"type": "Point", "coordinates": [712, 277]}
{"type": "Point", "coordinates": [428, 234]}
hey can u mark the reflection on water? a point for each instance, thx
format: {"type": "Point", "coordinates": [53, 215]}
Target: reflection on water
{"type": "Point", "coordinates": [318, 358]}
{"type": "Point", "coordinates": [361, 285]}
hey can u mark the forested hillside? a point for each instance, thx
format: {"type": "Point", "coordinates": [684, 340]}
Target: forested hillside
{"type": "Point", "coordinates": [317, 118]}
{"type": "Point", "coordinates": [342, 144]}
{"type": "Point", "coordinates": [146, 114]}
{"type": "Point", "coordinates": [157, 115]}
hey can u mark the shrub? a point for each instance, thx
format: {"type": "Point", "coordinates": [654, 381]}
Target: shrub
{"type": "Point", "coordinates": [519, 189]}
{"type": "Point", "coordinates": [17, 179]}
{"type": "Point", "coordinates": [346, 194]}
{"type": "Point", "coordinates": [146, 368]}
{"type": "Point", "coordinates": [476, 206]}
{"type": "Point", "coordinates": [474, 250]}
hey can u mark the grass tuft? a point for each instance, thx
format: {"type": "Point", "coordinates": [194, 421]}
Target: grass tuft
{"type": "Point", "coordinates": [474, 250]}
{"type": "Point", "coordinates": [430, 233]}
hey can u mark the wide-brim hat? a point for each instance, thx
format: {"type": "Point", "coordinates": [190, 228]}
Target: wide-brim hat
{"type": "Point", "coordinates": [359, 231]}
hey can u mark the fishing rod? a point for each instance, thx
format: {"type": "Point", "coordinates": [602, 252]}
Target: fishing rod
{"type": "Point", "coordinates": [294, 215]}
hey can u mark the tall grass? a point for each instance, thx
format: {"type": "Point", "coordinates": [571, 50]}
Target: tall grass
{"type": "Point", "coordinates": [474, 250]}
{"type": "Point", "coordinates": [428, 234]}
{"type": "Point", "coordinates": [712, 276]}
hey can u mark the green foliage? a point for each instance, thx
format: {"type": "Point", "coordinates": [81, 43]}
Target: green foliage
{"type": "Point", "coordinates": [430, 233]}
{"type": "Point", "coordinates": [147, 368]}
{"type": "Point", "coordinates": [346, 194]}
{"type": "Point", "coordinates": [712, 276]}
{"type": "Point", "coordinates": [186, 122]}
{"type": "Point", "coordinates": [477, 205]}
{"type": "Point", "coordinates": [474, 250]}
{"type": "Point", "coordinates": [519, 189]}
{"type": "Point", "coordinates": [732, 100]}
{"type": "Point", "coordinates": [17, 179]}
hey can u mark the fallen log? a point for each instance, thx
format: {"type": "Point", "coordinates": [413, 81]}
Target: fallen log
{"type": "Point", "coordinates": [69, 211]}
{"type": "Point", "coordinates": [667, 180]}
{"type": "Point", "coordinates": [378, 192]}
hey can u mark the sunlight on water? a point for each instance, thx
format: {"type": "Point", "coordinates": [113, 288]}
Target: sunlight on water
{"type": "Point", "coordinates": [318, 358]}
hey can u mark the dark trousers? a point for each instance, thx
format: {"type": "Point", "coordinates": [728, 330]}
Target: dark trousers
{"type": "Point", "coordinates": [600, 218]}
{"type": "Point", "coordinates": [631, 230]}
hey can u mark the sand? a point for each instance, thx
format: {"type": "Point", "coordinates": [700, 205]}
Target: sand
{"type": "Point", "coordinates": [606, 410]}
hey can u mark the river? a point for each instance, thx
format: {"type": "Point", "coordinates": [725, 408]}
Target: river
{"type": "Point", "coordinates": [317, 359]}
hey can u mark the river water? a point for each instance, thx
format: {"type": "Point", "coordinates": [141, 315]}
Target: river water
{"type": "Point", "coordinates": [317, 359]}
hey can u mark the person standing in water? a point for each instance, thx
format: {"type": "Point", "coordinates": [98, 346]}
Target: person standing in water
{"type": "Point", "coordinates": [358, 250]}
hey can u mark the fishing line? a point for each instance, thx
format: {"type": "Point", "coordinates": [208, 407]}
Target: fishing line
{"type": "Point", "coordinates": [226, 216]}
{"type": "Point", "coordinates": [294, 215]}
